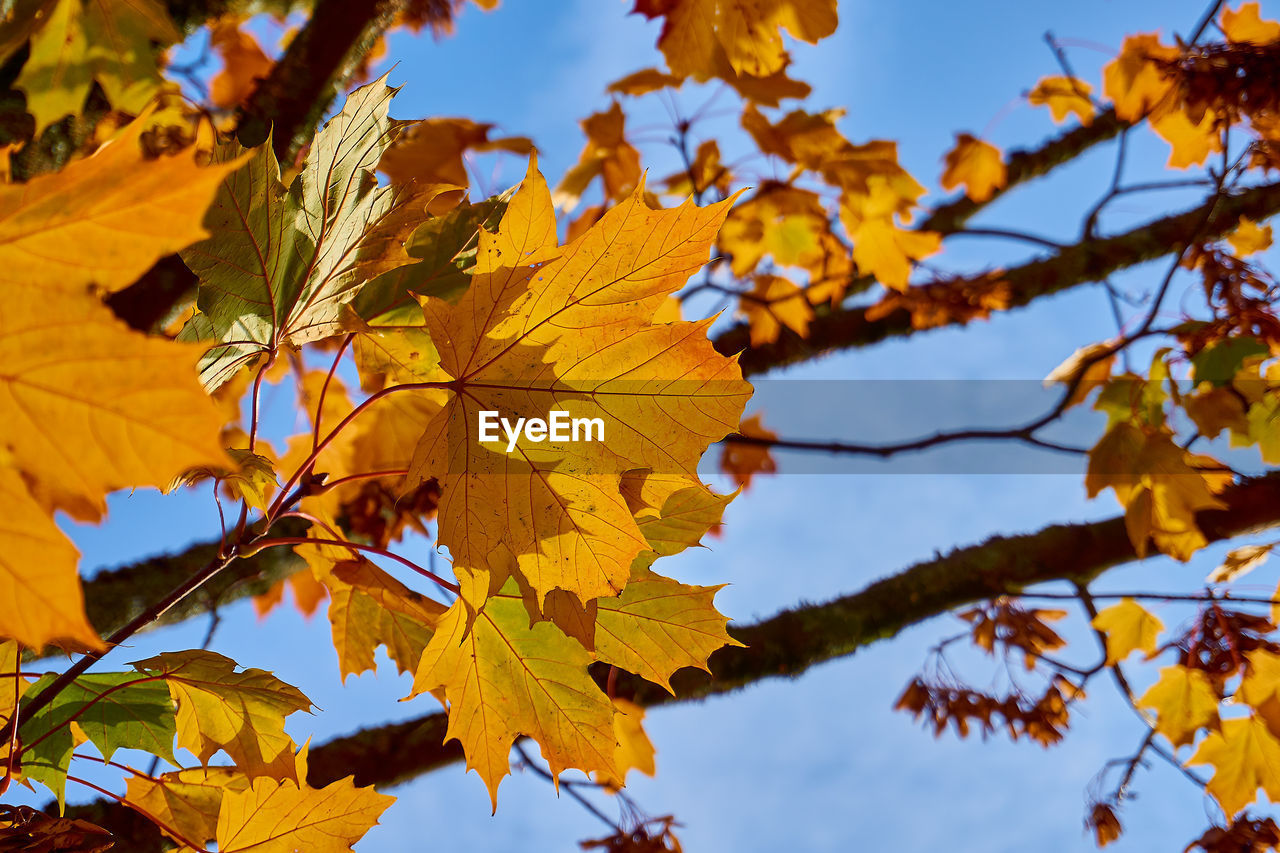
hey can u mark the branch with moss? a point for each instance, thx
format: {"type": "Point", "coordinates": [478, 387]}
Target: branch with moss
{"type": "Point", "coordinates": [789, 643]}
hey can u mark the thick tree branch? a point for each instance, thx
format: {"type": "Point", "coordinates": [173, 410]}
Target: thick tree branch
{"type": "Point", "coordinates": [794, 640]}
{"type": "Point", "coordinates": [114, 596]}
{"type": "Point", "coordinates": [1082, 263]}
{"type": "Point", "coordinates": [289, 103]}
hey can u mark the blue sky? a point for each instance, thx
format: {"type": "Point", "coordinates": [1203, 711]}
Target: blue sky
{"type": "Point", "coordinates": [821, 762]}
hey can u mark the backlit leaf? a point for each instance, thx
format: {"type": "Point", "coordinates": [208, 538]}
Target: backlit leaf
{"type": "Point", "coordinates": [1128, 628]}
{"type": "Point", "coordinates": [242, 713]}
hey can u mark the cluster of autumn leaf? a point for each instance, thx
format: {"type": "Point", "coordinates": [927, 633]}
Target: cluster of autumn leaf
{"type": "Point", "coordinates": [448, 306]}
{"type": "Point", "coordinates": [552, 547]}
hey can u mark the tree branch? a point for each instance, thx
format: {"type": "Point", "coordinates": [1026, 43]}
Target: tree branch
{"type": "Point", "coordinates": [791, 642]}
{"type": "Point", "coordinates": [289, 102]}
{"type": "Point", "coordinates": [1082, 263]}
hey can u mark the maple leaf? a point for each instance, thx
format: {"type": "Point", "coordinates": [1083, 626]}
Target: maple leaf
{"type": "Point", "coordinates": [672, 511]}
{"type": "Point", "coordinates": [431, 151]}
{"type": "Point", "coordinates": [1240, 561]}
{"type": "Point", "coordinates": [880, 247]}
{"type": "Point", "coordinates": [1134, 80]}
{"type": "Point", "coordinates": [1246, 25]}
{"type": "Point", "coordinates": [282, 262]}
{"type": "Point", "coordinates": [1104, 823]}
{"type": "Point", "coordinates": [1161, 486]}
{"type": "Point", "coordinates": [812, 142]}
{"type": "Point", "coordinates": [40, 597]}
{"type": "Point", "coordinates": [1085, 368]}
{"type": "Point", "coordinates": [185, 803]}
{"type": "Point", "coordinates": [1190, 142]}
{"type": "Point", "coordinates": [82, 42]}
{"type": "Point", "coordinates": [102, 409]}
{"type": "Point", "coordinates": [1184, 702]}
{"type": "Point", "coordinates": [1245, 757]}
{"type": "Point", "coordinates": [283, 816]}
{"type": "Point", "coordinates": [977, 165]}
{"type": "Point", "coordinates": [607, 155]}
{"type": "Point", "coordinates": [635, 750]}
{"type": "Point", "coordinates": [1128, 627]}
{"type": "Point", "coordinates": [644, 81]}
{"type": "Point", "coordinates": [574, 334]}
{"type": "Point", "coordinates": [1064, 96]}
{"type": "Point", "coordinates": [503, 678]}
{"type": "Point", "coordinates": [1260, 687]}
{"type": "Point", "coordinates": [243, 63]}
{"type": "Point", "coordinates": [369, 608]}
{"type": "Point", "coordinates": [252, 478]}
{"type": "Point", "coordinates": [773, 303]}
{"type": "Point", "coordinates": [744, 461]}
{"type": "Point", "coordinates": [704, 172]}
{"type": "Point", "coordinates": [746, 33]}
{"type": "Point", "coordinates": [779, 221]}
{"type": "Point", "coordinates": [106, 219]}
{"type": "Point", "coordinates": [658, 626]}
{"type": "Point", "coordinates": [1249, 237]}
{"type": "Point", "coordinates": [242, 713]}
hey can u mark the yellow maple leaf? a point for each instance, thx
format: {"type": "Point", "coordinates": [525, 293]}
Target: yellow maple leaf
{"type": "Point", "coordinates": [1128, 627]}
{"type": "Point", "coordinates": [40, 597]}
{"type": "Point", "coordinates": [1245, 757]}
{"type": "Point", "coordinates": [1260, 687]}
{"type": "Point", "coordinates": [773, 303]}
{"type": "Point", "coordinates": [1240, 561]}
{"type": "Point", "coordinates": [1064, 96]}
{"type": "Point", "coordinates": [1190, 143]}
{"type": "Point", "coordinates": [103, 409]}
{"type": "Point", "coordinates": [1085, 368]}
{"type": "Point", "coordinates": [780, 222]}
{"type": "Point", "coordinates": [1249, 237]}
{"type": "Point", "coordinates": [977, 165]}
{"type": "Point", "coordinates": [607, 155]}
{"type": "Point", "coordinates": [283, 816]}
{"type": "Point", "coordinates": [242, 713]}
{"type": "Point", "coordinates": [812, 142]}
{"type": "Point", "coordinates": [635, 750]}
{"type": "Point", "coordinates": [699, 34]}
{"type": "Point", "coordinates": [503, 678]}
{"type": "Point", "coordinates": [430, 151]}
{"type": "Point", "coordinates": [1246, 25]}
{"type": "Point", "coordinates": [574, 334]}
{"type": "Point", "coordinates": [705, 171]}
{"type": "Point", "coordinates": [673, 511]}
{"type": "Point", "coordinates": [370, 608]}
{"type": "Point", "coordinates": [1134, 81]}
{"type": "Point", "coordinates": [243, 63]}
{"type": "Point", "coordinates": [1184, 702]}
{"type": "Point", "coordinates": [658, 626]}
{"type": "Point", "coordinates": [881, 248]}
{"type": "Point", "coordinates": [1161, 486]}
{"type": "Point", "coordinates": [185, 803]}
{"type": "Point", "coordinates": [107, 219]}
